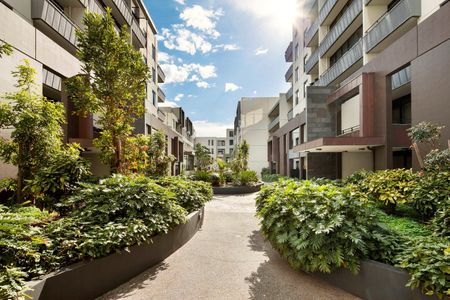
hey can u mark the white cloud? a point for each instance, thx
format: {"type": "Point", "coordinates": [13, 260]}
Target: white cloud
{"type": "Point", "coordinates": [188, 72]}
{"type": "Point", "coordinates": [231, 87]}
{"type": "Point", "coordinates": [181, 39]}
{"type": "Point", "coordinates": [165, 57]}
{"type": "Point", "coordinates": [208, 128]}
{"type": "Point", "coordinates": [202, 19]}
{"type": "Point", "coordinates": [178, 97]}
{"type": "Point", "coordinates": [261, 51]}
{"type": "Point", "coordinates": [227, 47]}
{"type": "Point", "coordinates": [180, 2]}
{"type": "Point", "coordinates": [203, 85]}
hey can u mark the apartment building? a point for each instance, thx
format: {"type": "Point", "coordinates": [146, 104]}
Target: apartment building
{"type": "Point", "coordinates": [362, 72]}
{"type": "Point", "coordinates": [43, 31]}
{"type": "Point", "coordinates": [219, 147]}
{"type": "Point", "coordinates": [251, 124]}
{"type": "Point", "coordinates": [180, 137]}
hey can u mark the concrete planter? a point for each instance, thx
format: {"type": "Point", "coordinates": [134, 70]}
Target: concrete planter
{"type": "Point", "coordinates": [375, 281]}
{"type": "Point", "coordinates": [237, 190]}
{"type": "Point", "coordinates": [91, 279]}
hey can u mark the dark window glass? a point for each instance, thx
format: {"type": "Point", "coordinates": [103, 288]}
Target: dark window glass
{"type": "Point", "coordinates": [401, 110]}
{"type": "Point", "coordinates": [348, 44]}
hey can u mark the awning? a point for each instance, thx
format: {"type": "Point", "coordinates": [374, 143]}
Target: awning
{"type": "Point", "coordinates": [340, 144]}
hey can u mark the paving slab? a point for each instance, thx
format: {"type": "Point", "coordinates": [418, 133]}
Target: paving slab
{"type": "Point", "coordinates": [227, 259]}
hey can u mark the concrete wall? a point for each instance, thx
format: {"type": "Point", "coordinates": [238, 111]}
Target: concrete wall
{"type": "Point", "coordinates": [350, 111]}
{"type": "Point", "coordinates": [353, 162]}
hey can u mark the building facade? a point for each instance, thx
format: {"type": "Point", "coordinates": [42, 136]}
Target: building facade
{"type": "Point", "coordinates": [43, 31]}
{"type": "Point", "coordinates": [251, 124]}
{"type": "Point", "coordinates": [362, 73]}
{"type": "Point", "coordinates": [219, 147]}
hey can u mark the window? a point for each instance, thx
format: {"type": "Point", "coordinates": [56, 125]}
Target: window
{"type": "Point", "coordinates": [149, 129]}
{"type": "Point", "coordinates": [212, 151]}
{"type": "Point", "coordinates": [343, 10]}
{"type": "Point", "coordinates": [305, 84]}
{"type": "Point", "coordinates": [302, 133]}
{"type": "Point", "coordinates": [392, 4]}
{"type": "Point", "coordinates": [297, 96]}
{"type": "Point", "coordinates": [212, 142]}
{"type": "Point", "coordinates": [348, 44]}
{"type": "Point", "coordinates": [297, 74]}
{"type": "Point", "coordinates": [154, 98]}
{"type": "Point", "coordinates": [401, 110]}
{"type": "Point", "coordinates": [209, 143]}
{"type": "Point", "coordinates": [154, 52]}
{"type": "Point", "coordinates": [305, 58]}
{"type": "Point", "coordinates": [154, 75]}
{"type": "Point", "coordinates": [231, 142]}
{"type": "Point", "coordinates": [231, 134]}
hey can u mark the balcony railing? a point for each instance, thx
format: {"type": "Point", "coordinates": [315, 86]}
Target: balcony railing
{"type": "Point", "coordinates": [390, 22]}
{"type": "Point", "coordinates": [290, 94]}
{"type": "Point", "coordinates": [139, 33]}
{"type": "Point", "coordinates": [51, 79]}
{"type": "Point", "coordinates": [401, 78]}
{"type": "Point", "coordinates": [288, 55]}
{"type": "Point", "coordinates": [47, 12]}
{"type": "Point", "coordinates": [161, 116]}
{"type": "Point", "coordinates": [326, 9]}
{"type": "Point", "coordinates": [343, 64]}
{"type": "Point", "coordinates": [125, 10]}
{"type": "Point", "coordinates": [349, 130]}
{"type": "Point", "coordinates": [161, 95]}
{"type": "Point", "coordinates": [274, 123]}
{"type": "Point", "coordinates": [289, 73]}
{"type": "Point", "coordinates": [311, 31]}
{"type": "Point", "coordinates": [352, 12]}
{"type": "Point", "coordinates": [161, 75]}
{"type": "Point", "coordinates": [95, 7]}
{"type": "Point", "coordinates": [291, 114]}
{"type": "Point", "coordinates": [312, 61]}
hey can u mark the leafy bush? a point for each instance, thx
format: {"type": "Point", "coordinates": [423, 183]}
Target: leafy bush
{"type": "Point", "coordinates": [402, 226]}
{"type": "Point", "coordinates": [191, 195]}
{"type": "Point", "coordinates": [441, 222]}
{"type": "Point", "coordinates": [432, 191]}
{"type": "Point", "coordinates": [119, 212]}
{"type": "Point", "coordinates": [273, 177]}
{"type": "Point", "coordinates": [12, 282]}
{"type": "Point", "coordinates": [7, 188]}
{"type": "Point", "coordinates": [204, 176]}
{"type": "Point", "coordinates": [246, 178]}
{"type": "Point", "coordinates": [388, 186]}
{"type": "Point", "coordinates": [357, 177]}
{"type": "Point", "coordinates": [437, 161]}
{"type": "Point", "coordinates": [427, 260]}
{"type": "Point", "coordinates": [318, 227]}
{"type": "Point", "coordinates": [216, 179]}
{"type": "Point", "coordinates": [265, 171]}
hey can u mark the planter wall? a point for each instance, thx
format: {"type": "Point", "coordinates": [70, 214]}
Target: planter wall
{"type": "Point", "coordinates": [237, 190]}
{"type": "Point", "coordinates": [88, 280]}
{"type": "Point", "coordinates": [375, 281]}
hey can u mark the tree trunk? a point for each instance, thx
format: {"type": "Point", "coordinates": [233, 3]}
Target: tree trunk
{"type": "Point", "coordinates": [20, 175]}
{"type": "Point", "coordinates": [118, 155]}
{"type": "Point", "coordinates": [419, 155]}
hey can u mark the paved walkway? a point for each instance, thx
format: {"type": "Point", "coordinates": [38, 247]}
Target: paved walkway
{"type": "Point", "coordinates": [227, 259]}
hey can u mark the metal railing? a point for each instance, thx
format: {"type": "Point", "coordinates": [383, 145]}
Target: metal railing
{"type": "Point", "coordinates": [161, 95]}
{"type": "Point", "coordinates": [161, 75]}
{"type": "Point", "coordinates": [326, 9]}
{"type": "Point", "coordinates": [125, 10]}
{"type": "Point", "coordinates": [161, 116]}
{"type": "Point", "coordinates": [52, 16]}
{"type": "Point", "coordinates": [401, 78]}
{"type": "Point", "coordinates": [312, 61]}
{"type": "Point", "coordinates": [274, 123]}
{"type": "Point", "coordinates": [288, 55]}
{"type": "Point", "coordinates": [290, 114]}
{"type": "Point", "coordinates": [351, 13]}
{"type": "Point", "coordinates": [51, 79]}
{"type": "Point", "coordinates": [311, 31]}
{"type": "Point", "coordinates": [289, 73]}
{"type": "Point", "coordinates": [139, 33]}
{"type": "Point", "coordinates": [349, 130]}
{"type": "Point", "coordinates": [290, 93]}
{"type": "Point", "coordinates": [389, 22]}
{"type": "Point", "coordinates": [343, 64]}
{"type": "Point", "coordinates": [95, 7]}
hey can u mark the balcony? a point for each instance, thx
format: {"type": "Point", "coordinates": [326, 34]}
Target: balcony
{"type": "Point", "coordinates": [290, 114]}
{"type": "Point", "coordinates": [275, 124]}
{"type": "Point", "coordinates": [311, 62]}
{"type": "Point", "coordinates": [161, 75]}
{"type": "Point", "coordinates": [339, 30]}
{"type": "Point", "coordinates": [392, 25]}
{"type": "Point", "coordinates": [289, 74]}
{"type": "Point", "coordinates": [161, 116]}
{"type": "Point", "coordinates": [311, 34]}
{"type": "Point", "coordinates": [161, 96]}
{"type": "Point", "coordinates": [290, 94]}
{"type": "Point", "coordinates": [326, 10]}
{"type": "Point", "coordinates": [401, 78]}
{"type": "Point", "coordinates": [139, 34]}
{"type": "Point", "coordinates": [120, 11]}
{"type": "Point", "coordinates": [54, 23]}
{"type": "Point", "coordinates": [96, 7]}
{"type": "Point", "coordinates": [288, 55]}
{"type": "Point", "coordinates": [349, 59]}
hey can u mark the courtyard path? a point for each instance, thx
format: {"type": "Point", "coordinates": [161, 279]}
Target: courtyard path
{"type": "Point", "coordinates": [227, 259]}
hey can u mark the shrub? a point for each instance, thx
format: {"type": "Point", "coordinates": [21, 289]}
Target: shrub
{"type": "Point", "coordinates": [191, 195]}
{"type": "Point", "coordinates": [441, 222]}
{"type": "Point", "coordinates": [265, 171]}
{"type": "Point", "coordinates": [204, 176]}
{"type": "Point", "coordinates": [107, 217]}
{"type": "Point", "coordinates": [246, 178]}
{"type": "Point", "coordinates": [437, 161]}
{"type": "Point", "coordinates": [427, 260]}
{"type": "Point", "coordinates": [318, 227]}
{"type": "Point", "coordinates": [7, 188]}
{"type": "Point", "coordinates": [432, 190]}
{"type": "Point", "coordinates": [388, 186]}
{"type": "Point", "coordinates": [357, 177]}
{"type": "Point", "coordinates": [215, 179]}
{"type": "Point", "coordinates": [273, 177]}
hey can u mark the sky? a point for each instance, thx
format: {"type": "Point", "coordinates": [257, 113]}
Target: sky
{"type": "Point", "coordinates": [214, 52]}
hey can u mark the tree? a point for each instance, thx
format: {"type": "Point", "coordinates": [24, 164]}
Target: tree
{"type": "Point", "coordinates": [37, 134]}
{"type": "Point", "coordinates": [5, 49]}
{"type": "Point", "coordinates": [202, 157]}
{"type": "Point", "coordinates": [241, 156]}
{"type": "Point", "coordinates": [112, 84]}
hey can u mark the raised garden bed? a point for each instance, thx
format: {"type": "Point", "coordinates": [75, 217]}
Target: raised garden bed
{"type": "Point", "coordinates": [237, 190]}
{"type": "Point", "coordinates": [375, 281]}
{"type": "Point", "coordinates": [88, 280]}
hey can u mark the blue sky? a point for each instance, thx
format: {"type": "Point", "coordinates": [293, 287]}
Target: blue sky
{"type": "Point", "coordinates": [215, 52]}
